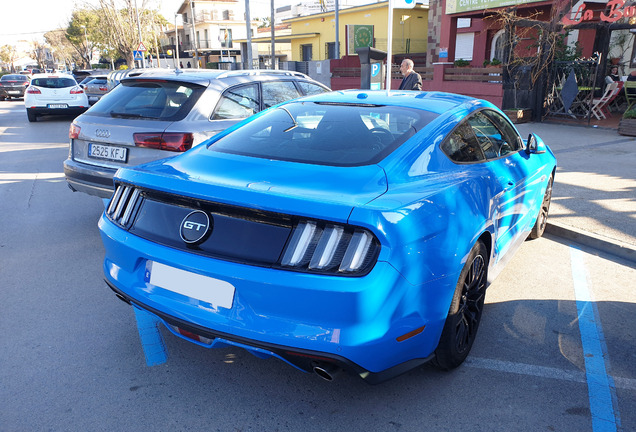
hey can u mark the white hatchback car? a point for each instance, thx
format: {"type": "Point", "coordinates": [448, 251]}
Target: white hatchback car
{"type": "Point", "coordinates": [54, 94]}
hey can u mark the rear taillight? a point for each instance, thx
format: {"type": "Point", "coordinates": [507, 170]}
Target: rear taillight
{"type": "Point", "coordinates": [176, 142]}
{"type": "Point", "coordinates": [330, 248]}
{"type": "Point", "coordinates": [33, 90]}
{"type": "Point", "coordinates": [77, 90]}
{"type": "Point", "coordinates": [103, 89]}
{"type": "Point", "coordinates": [74, 131]}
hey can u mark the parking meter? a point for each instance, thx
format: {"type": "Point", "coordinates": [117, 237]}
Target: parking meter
{"type": "Point", "coordinates": [372, 69]}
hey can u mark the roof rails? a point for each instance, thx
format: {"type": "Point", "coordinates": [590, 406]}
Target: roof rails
{"type": "Point", "coordinates": [262, 72]}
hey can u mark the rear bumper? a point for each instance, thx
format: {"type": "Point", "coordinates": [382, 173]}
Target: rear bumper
{"type": "Point", "coordinates": [92, 180]}
{"type": "Point", "coordinates": [57, 111]}
{"type": "Point", "coordinates": [12, 92]}
{"type": "Point", "coordinates": [356, 323]}
{"type": "Point", "coordinates": [93, 98]}
{"type": "Point", "coordinates": [303, 359]}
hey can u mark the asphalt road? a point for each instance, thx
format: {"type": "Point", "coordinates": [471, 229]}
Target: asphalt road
{"type": "Point", "coordinates": [71, 359]}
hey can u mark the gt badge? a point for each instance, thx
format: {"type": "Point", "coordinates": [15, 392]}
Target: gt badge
{"type": "Point", "coordinates": [195, 227]}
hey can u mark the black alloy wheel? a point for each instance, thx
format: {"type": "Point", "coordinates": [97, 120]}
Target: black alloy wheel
{"type": "Point", "coordinates": [465, 311]}
{"type": "Point", "coordinates": [542, 218]}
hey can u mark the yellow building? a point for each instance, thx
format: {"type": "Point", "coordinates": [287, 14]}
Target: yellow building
{"type": "Point", "coordinates": [313, 37]}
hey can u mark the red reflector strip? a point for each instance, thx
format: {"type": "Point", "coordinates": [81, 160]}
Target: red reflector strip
{"type": "Point", "coordinates": [190, 335]}
{"type": "Point", "coordinates": [410, 334]}
{"type": "Point", "coordinates": [308, 356]}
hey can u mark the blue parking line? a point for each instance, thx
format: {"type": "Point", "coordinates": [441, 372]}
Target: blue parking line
{"type": "Point", "coordinates": [151, 339]}
{"type": "Point", "coordinates": [601, 389]}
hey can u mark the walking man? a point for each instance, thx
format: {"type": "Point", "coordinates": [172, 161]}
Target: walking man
{"type": "Point", "coordinates": [412, 80]}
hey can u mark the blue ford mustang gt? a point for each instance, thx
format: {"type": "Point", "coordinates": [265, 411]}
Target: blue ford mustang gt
{"type": "Point", "coordinates": [352, 230]}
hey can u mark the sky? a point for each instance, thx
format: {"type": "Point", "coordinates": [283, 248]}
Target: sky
{"type": "Point", "coordinates": [31, 20]}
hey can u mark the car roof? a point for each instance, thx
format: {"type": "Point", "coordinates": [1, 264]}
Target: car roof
{"type": "Point", "coordinates": [52, 75]}
{"type": "Point", "coordinates": [437, 102]}
{"type": "Point", "coordinates": [205, 76]}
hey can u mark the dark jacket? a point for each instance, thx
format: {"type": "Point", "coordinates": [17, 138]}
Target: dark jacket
{"type": "Point", "coordinates": [412, 81]}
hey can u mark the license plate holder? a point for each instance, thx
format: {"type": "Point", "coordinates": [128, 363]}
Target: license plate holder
{"type": "Point", "coordinates": [107, 152]}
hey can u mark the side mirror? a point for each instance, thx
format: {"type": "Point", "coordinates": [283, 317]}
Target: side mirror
{"type": "Point", "coordinates": [535, 145]}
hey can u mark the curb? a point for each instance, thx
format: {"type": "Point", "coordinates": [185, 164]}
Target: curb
{"type": "Point", "coordinates": [615, 247]}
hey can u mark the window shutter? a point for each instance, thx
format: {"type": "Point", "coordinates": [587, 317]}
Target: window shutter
{"type": "Point", "coordinates": [464, 46]}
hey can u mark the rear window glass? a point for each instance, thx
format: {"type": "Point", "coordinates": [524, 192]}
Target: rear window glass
{"type": "Point", "coordinates": [155, 100]}
{"type": "Point", "coordinates": [275, 92]}
{"type": "Point", "coordinates": [310, 88]}
{"type": "Point", "coordinates": [53, 83]}
{"type": "Point", "coordinates": [326, 134]}
{"type": "Point", "coordinates": [14, 78]}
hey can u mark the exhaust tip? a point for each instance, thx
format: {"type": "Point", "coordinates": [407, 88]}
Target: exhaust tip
{"type": "Point", "coordinates": [326, 371]}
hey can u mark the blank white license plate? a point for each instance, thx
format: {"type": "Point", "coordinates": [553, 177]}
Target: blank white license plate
{"type": "Point", "coordinates": [214, 291]}
{"type": "Point", "coordinates": [114, 153]}
{"type": "Point", "coordinates": [14, 92]}
{"type": "Point", "coordinates": [57, 105]}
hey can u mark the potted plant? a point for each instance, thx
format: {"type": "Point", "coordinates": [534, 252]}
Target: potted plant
{"type": "Point", "coordinates": [461, 63]}
{"type": "Point", "coordinates": [627, 126]}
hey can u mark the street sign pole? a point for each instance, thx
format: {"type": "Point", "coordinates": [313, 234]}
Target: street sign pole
{"type": "Point", "coordinates": [143, 61]}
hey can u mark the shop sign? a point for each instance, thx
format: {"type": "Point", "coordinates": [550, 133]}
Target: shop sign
{"type": "Point", "coordinates": [359, 36]}
{"type": "Point", "coordinates": [457, 6]}
{"type": "Point", "coordinates": [616, 10]}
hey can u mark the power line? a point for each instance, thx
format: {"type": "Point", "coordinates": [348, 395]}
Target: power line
{"type": "Point", "coordinates": [32, 33]}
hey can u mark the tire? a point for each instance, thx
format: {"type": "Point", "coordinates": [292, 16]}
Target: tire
{"type": "Point", "coordinates": [32, 116]}
{"type": "Point", "coordinates": [542, 217]}
{"type": "Point", "coordinates": [464, 315]}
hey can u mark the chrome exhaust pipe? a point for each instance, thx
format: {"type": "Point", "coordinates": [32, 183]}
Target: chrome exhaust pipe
{"type": "Point", "coordinates": [326, 371]}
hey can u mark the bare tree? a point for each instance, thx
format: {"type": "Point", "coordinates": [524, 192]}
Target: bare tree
{"type": "Point", "coordinates": [8, 54]}
{"type": "Point", "coordinates": [62, 47]}
{"type": "Point", "coordinates": [119, 25]}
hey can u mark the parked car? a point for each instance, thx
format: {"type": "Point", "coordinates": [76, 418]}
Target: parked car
{"type": "Point", "coordinates": [54, 94]}
{"type": "Point", "coordinates": [95, 88]}
{"type": "Point", "coordinates": [13, 86]}
{"type": "Point", "coordinates": [161, 113]}
{"type": "Point", "coordinates": [80, 75]}
{"type": "Point", "coordinates": [349, 230]}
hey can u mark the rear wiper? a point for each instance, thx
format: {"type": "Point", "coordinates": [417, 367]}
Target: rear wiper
{"type": "Point", "coordinates": [129, 115]}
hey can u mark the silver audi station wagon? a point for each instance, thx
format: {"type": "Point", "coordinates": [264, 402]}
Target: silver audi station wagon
{"type": "Point", "coordinates": [158, 115]}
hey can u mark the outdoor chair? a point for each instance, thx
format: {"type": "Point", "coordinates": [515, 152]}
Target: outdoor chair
{"type": "Point", "coordinates": [607, 108]}
{"type": "Point", "coordinates": [630, 93]}
{"type": "Point", "coordinates": [598, 104]}
{"type": "Point", "coordinates": [617, 99]}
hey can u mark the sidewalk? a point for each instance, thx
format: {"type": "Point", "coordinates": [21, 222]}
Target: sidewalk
{"type": "Point", "coordinates": [594, 194]}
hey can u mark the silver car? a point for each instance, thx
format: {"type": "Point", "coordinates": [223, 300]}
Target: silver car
{"type": "Point", "coordinates": [156, 115]}
{"type": "Point", "coordinates": [95, 88]}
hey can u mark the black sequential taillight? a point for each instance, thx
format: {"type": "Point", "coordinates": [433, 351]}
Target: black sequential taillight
{"type": "Point", "coordinates": [330, 248]}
